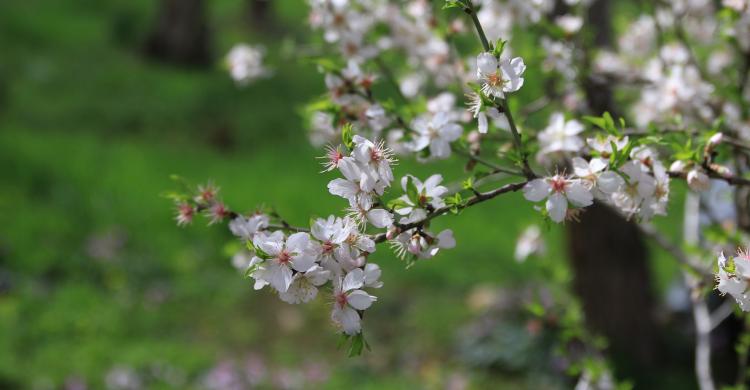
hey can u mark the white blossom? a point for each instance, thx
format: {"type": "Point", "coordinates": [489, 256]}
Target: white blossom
{"type": "Point", "coordinates": [304, 287]}
{"type": "Point", "coordinates": [559, 191]}
{"type": "Point", "coordinates": [348, 299]}
{"type": "Point", "coordinates": [499, 77]}
{"type": "Point", "coordinates": [561, 135]}
{"type": "Point", "coordinates": [436, 131]}
{"type": "Point", "coordinates": [530, 242]}
{"type": "Point", "coordinates": [429, 195]}
{"type": "Point", "coordinates": [246, 228]}
{"type": "Point", "coordinates": [295, 253]}
{"type": "Point", "coordinates": [733, 276]}
{"type": "Point", "coordinates": [245, 63]}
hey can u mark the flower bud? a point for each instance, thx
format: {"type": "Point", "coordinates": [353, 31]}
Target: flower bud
{"type": "Point", "coordinates": [715, 139]}
{"type": "Point", "coordinates": [698, 181]}
{"type": "Point", "coordinates": [679, 166]}
{"type": "Point", "coordinates": [473, 137]}
{"type": "Point", "coordinates": [392, 232]}
{"type": "Point", "coordinates": [721, 170]}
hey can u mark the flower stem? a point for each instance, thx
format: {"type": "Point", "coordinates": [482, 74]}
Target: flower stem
{"type": "Point", "coordinates": [469, 9]}
{"type": "Point", "coordinates": [517, 141]}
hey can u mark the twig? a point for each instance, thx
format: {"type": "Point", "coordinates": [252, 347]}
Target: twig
{"type": "Point", "coordinates": [676, 252]}
{"type": "Point", "coordinates": [495, 168]}
{"type": "Point", "coordinates": [503, 105]}
{"type": "Point", "coordinates": [702, 340]}
{"type": "Point", "coordinates": [478, 198]}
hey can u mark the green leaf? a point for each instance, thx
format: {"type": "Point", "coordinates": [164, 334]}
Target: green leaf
{"type": "Point", "coordinates": [498, 49]}
{"type": "Point", "coordinates": [357, 345]}
{"type": "Point", "coordinates": [411, 190]}
{"type": "Point", "coordinates": [454, 4]}
{"type": "Point", "coordinates": [398, 203]}
{"type": "Point", "coordinates": [347, 134]}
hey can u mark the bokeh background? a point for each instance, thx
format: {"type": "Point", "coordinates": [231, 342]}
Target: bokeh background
{"type": "Point", "coordinates": [100, 289]}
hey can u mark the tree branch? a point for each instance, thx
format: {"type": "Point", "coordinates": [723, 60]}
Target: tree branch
{"type": "Point", "coordinates": [478, 198]}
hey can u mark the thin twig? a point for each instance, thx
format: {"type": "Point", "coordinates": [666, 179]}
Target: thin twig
{"type": "Point", "coordinates": [478, 198]}
{"type": "Point", "coordinates": [676, 252]}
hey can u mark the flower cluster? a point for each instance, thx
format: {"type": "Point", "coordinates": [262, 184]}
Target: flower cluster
{"type": "Point", "coordinates": [732, 278]}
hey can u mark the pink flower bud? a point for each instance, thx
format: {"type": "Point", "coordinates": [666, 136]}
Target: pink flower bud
{"type": "Point", "coordinates": [678, 166]}
{"type": "Point", "coordinates": [715, 140]}
{"type": "Point", "coordinates": [698, 181]}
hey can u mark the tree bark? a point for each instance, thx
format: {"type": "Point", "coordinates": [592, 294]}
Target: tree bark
{"type": "Point", "coordinates": [180, 34]}
{"type": "Point", "coordinates": [608, 254]}
{"type": "Point", "coordinates": [259, 15]}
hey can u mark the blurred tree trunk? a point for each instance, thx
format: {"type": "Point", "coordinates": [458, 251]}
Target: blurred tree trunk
{"type": "Point", "coordinates": [260, 15]}
{"type": "Point", "coordinates": [608, 253]}
{"type": "Point", "coordinates": [180, 34]}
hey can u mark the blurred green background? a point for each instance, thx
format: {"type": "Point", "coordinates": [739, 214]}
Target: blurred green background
{"type": "Point", "coordinates": [99, 288]}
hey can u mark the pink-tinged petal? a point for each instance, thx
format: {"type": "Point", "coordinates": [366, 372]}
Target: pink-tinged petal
{"type": "Point", "coordinates": [609, 182]}
{"type": "Point", "coordinates": [439, 119]}
{"type": "Point", "coordinates": [360, 300]}
{"type": "Point", "coordinates": [573, 127]}
{"type": "Point", "coordinates": [419, 143]}
{"type": "Point", "coordinates": [318, 275]}
{"type": "Point", "coordinates": [303, 262]}
{"type": "Point", "coordinates": [372, 275]}
{"type": "Point", "coordinates": [366, 244]}
{"type": "Point", "coordinates": [320, 230]}
{"type": "Point", "coordinates": [580, 167]}
{"type": "Point", "coordinates": [347, 318]}
{"type": "Point", "coordinates": [353, 280]}
{"type": "Point", "coordinates": [518, 66]}
{"type": "Point", "coordinates": [440, 148]}
{"type": "Point", "coordinates": [362, 153]}
{"type": "Point", "coordinates": [278, 276]}
{"type": "Point", "coordinates": [451, 132]}
{"type": "Point", "coordinates": [579, 195]}
{"type": "Point", "coordinates": [557, 206]}
{"type": "Point", "coordinates": [536, 190]}
{"type": "Point", "coordinates": [486, 63]}
{"type": "Point", "coordinates": [343, 188]}
{"type": "Point", "coordinates": [380, 218]}
{"type": "Point", "coordinates": [598, 164]}
{"type": "Point", "coordinates": [432, 183]}
{"type": "Point", "coordinates": [446, 239]}
{"type": "Point", "coordinates": [300, 291]}
{"type": "Point", "coordinates": [349, 168]}
{"type": "Point", "coordinates": [298, 242]}
{"type": "Point", "coordinates": [482, 123]}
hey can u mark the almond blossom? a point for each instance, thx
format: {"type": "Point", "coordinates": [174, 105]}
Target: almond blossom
{"type": "Point", "coordinates": [348, 299]}
{"type": "Point", "coordinates": [304, 287]}
{"type": "Point", "coordinates": [733, 276]}
{"type": "Point", "coordinates": [559, 191]}
{"type": "Point", "coordinates": [436, 132]}
{"type": "Point", "coordinates": [429, 195]}
{"type": "Point", "coordinates": [295, 253]}
{"type": "Point", "coordinates": [561, 135]}
{"type": "Point", "coordinates": [245, 228]}
{"type": "Point", "coordinates": [499, 77]}
{"type": "Point", "coordinates": [594, 176]}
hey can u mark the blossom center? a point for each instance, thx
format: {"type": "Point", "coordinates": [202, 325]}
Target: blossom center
{"type": "Point", "coordinates": [327, 247]}
{"type": "Point", "coordinates": [495, 79]}
{"type": "Point", "coordinates": [558, 184]}
{"type": "Point", "coordinates": [284, 257]}
{"type": "Point", "coordinates": [341, 300]}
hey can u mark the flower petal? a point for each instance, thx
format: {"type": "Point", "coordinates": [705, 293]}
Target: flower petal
{"type": "Point", "coordinates": [536, 190]}
{"type": "Point", "coordinates": [557, 206]}
{"type": "Point", "coordinates": [360, 300]}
